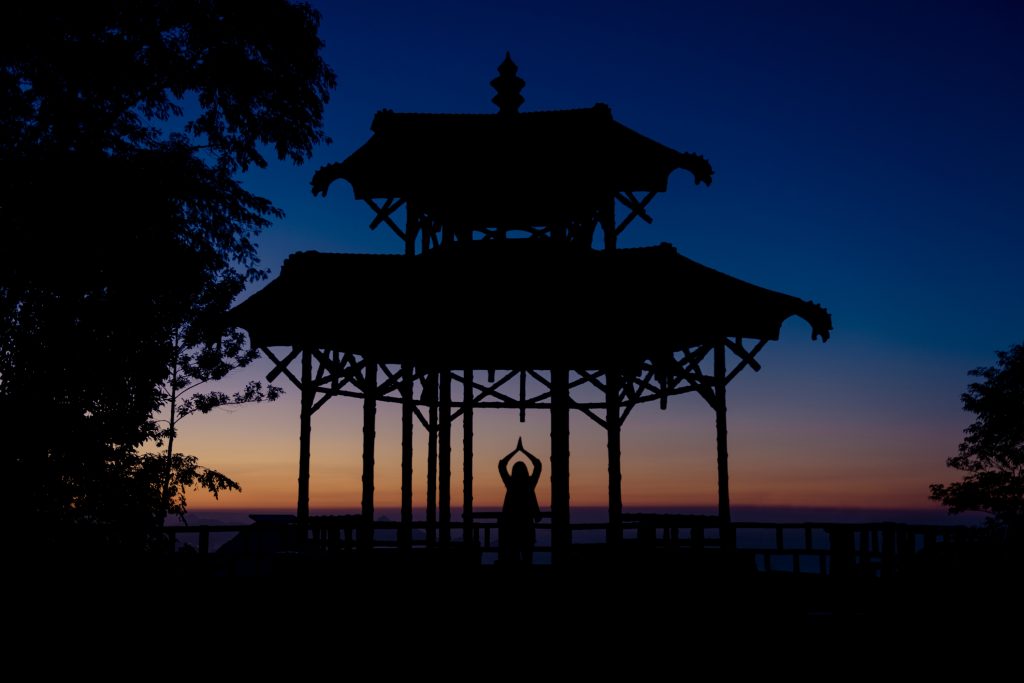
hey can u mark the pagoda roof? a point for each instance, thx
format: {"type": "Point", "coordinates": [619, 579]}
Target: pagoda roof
{"type": "Point", "coordinates": [513, 304]}
{"type": "Point", "coordinates": [507, 169]}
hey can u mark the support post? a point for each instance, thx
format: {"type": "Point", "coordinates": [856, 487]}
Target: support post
{"type": "Point", "coordinates": [467, 458]}
{"type": "Point", "coordinates": [369, 436]}
{"type": "Point", "coordinates": [613, 419]}
{"type": "Point", "coordinates": [430, 396]}
{"type": "Point", "coordinates": [444, 447]}
{"type": "Point", "coordinates": [724, 511]}
{"type": "Point", "coordinates": [561, 534]}
{"type": "Point", "coordinates": [405, 537]}
{"type": "Point", "coordinates": [305, 427]}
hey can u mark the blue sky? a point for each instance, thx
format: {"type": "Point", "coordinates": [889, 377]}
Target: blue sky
{"type": "Point", "coordinates": [867, 156]}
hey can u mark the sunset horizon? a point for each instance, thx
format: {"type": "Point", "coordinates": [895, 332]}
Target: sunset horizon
{"type": "Point", "coordinates": [867, 419]}
{"type": "Point", "coordinates": [708, 308]}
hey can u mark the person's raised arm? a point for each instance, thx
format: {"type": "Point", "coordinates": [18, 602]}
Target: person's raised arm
{"type": "Point", "coordinates": [503, 468]}
{"type": "Point", "coordinates": [537, 467]}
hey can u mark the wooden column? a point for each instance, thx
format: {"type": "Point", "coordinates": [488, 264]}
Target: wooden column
{"type": "Point", "coordinates": [467, 458]}
{"type": "Point", "coordinates": [613, 419]}
{"type": "Point", "coordinates": [724, 511]}
{"type": "Point", "coordinates": [430, 395]}
{"type": "Point", "coordinates": [305, 427]}
{"type": "Point", "coordinates": [405, 538]}
{"type": "Point", "coordinates": [444, 447]}
{"type": "Point", "coordinates": [369, 436]}
{"type": "Point", "coordinates": [561, 535]}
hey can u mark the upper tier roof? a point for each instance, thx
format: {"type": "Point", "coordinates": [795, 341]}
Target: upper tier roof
{"type": "Point", "coordinates": [506, 169]}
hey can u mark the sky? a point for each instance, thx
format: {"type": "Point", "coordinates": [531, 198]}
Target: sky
{"type": "Point", "coordinates": [867, 156]}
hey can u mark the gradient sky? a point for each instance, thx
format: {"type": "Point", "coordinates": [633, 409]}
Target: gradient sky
{"type": "Point", "coordinates": [867, 156]}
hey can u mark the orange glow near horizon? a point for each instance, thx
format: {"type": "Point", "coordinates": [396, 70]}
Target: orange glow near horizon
{"type": "Point", "coordinates": [668, 457]}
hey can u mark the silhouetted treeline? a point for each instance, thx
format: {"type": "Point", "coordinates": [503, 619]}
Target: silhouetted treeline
{"type": "Point", "coordinates": [122, 243]}
{"type": "Point", "coordinates": [991, 454]}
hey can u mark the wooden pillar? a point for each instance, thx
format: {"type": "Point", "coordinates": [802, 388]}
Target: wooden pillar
{"type": "Point", "coordinates": [467, 458]}
{"type": "Point", "coordinates": [613, 419]}
{"type": "Point", "coordinates": [369, 436]}
{"type": "Point", "coordinates": [724, 511]}
{"type": "Point", "coordinates": [444, 447]}
{"type": "Point", "coordinates": [561, 535]}
{"type": "Point", "coordinates": [430, 395]}
{"type": "Point", "coordinates": [305, 427]}
{"type": "Point", "coordinates": [405, 538]}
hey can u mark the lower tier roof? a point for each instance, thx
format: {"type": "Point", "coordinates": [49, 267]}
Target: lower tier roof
{"type": "Point", "coordinates": [513, 304]}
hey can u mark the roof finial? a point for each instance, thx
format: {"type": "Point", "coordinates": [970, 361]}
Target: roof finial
{"type": "Point", "coordinates": [508, 85]}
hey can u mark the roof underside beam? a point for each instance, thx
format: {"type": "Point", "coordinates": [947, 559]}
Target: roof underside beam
{"type": "Point", "coordinates": [688, 370]}
{"type": "Point", "coordinates": [637, 209]}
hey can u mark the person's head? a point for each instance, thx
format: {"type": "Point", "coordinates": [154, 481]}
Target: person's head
{"type": "Point", "coordinates": [519, 472]}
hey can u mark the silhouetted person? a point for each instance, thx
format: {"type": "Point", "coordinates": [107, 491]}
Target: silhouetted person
{"type": "Point", "coordinates": [516, 532]}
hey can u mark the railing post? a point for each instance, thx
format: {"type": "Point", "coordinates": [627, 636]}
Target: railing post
{"type": "Point", "coordinates": [842, 550]}
{"type": "Point", "coordinates": [888, 550]}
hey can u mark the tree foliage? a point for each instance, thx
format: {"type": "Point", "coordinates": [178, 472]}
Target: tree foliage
{"type": "Point", "coordinates": [992, 451]}
{"type": "Point", "coordinates": [195, 362]}
{"type": "Point", "coordinates": [123, 126]}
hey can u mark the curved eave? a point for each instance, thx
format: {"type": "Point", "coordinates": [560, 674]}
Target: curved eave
{"type": "Point", "coordinates": [573, 151]}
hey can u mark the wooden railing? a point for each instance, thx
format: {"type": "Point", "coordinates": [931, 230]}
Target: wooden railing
{"type": "Point", "coordinates": [878, 549]}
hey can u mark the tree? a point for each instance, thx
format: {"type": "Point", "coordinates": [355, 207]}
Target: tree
{"type": "Point", "coordinates": [992, 451]}
{"type": "Point", "coordinates": [123, 126]}
{"type": "Point", "coordinates": [195, 362]}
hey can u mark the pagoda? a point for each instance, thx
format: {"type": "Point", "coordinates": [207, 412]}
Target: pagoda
{"type": "Point", "coordinates": [504, 296]}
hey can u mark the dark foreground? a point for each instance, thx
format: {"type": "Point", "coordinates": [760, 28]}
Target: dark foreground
{"type": "Point", "coordinates": [641, 621]}
{"type": "Point", "coordinates": [589, 590]}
